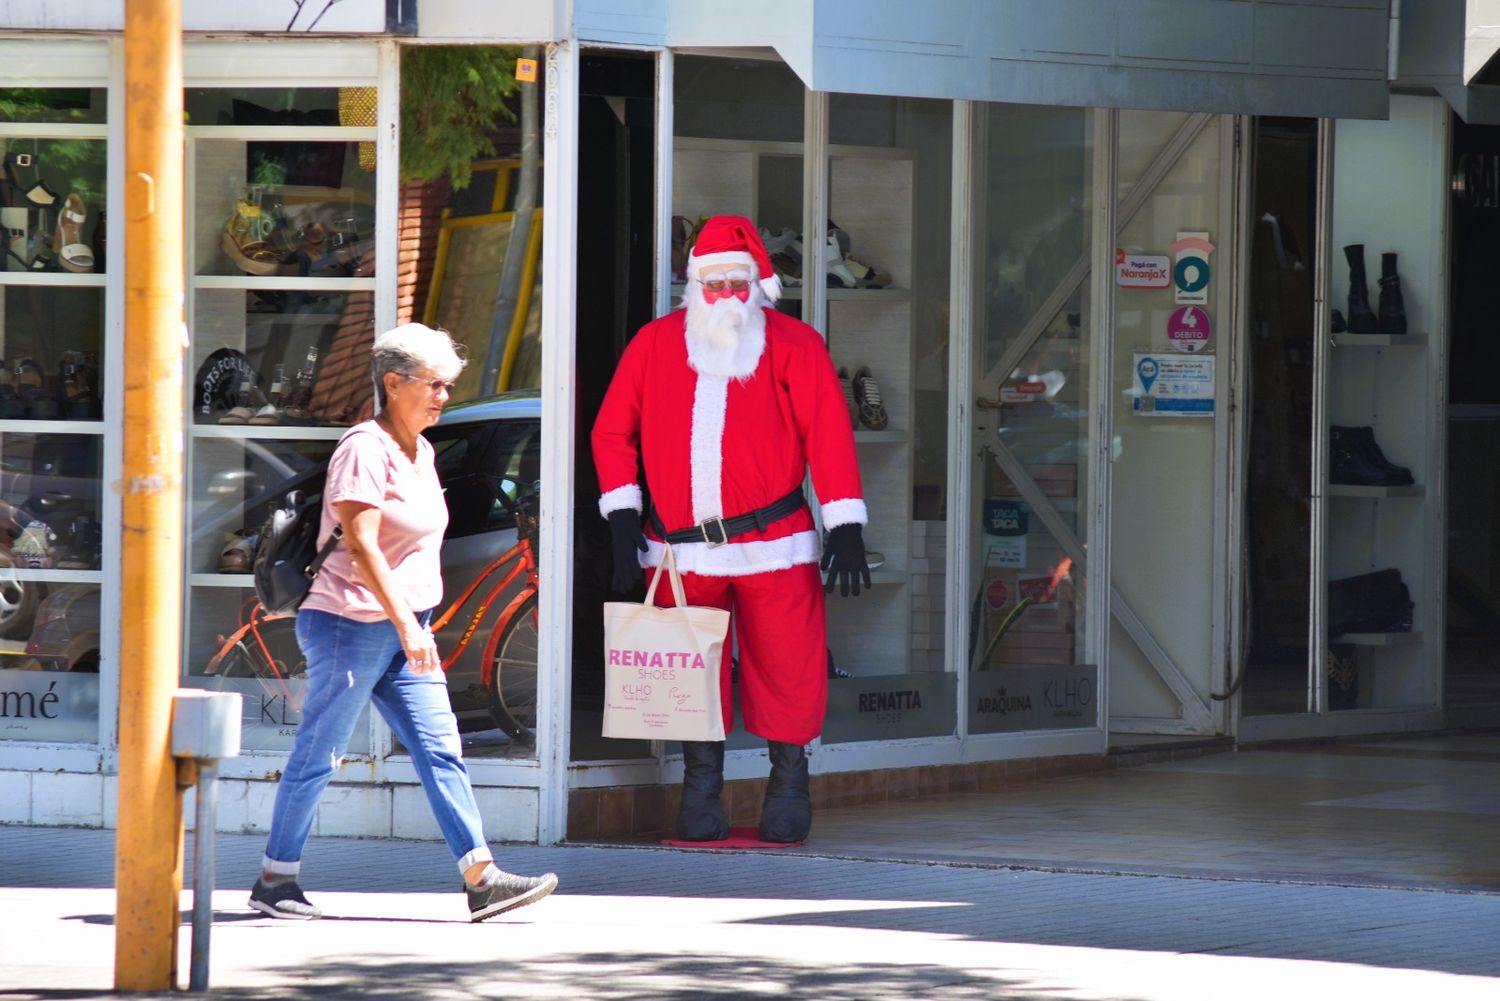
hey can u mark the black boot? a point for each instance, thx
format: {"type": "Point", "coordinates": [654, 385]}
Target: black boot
{"type": "Point", "coordinates": [1355, 459]}
{"type": "Point", "coordinates": [1361, 318]}
{"type": "Point", "coordinates": [701, 816]}
{"type": "Point", "coordinates": [1392, 309]}
{"type": "Point", "coordinates": [786, 814]}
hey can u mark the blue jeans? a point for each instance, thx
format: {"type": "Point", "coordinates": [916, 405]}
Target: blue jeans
{"type": "Point", "coordinates": [350, 663]}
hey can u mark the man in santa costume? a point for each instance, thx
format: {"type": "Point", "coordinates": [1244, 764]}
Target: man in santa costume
{"type": "Point", "coordinates": [727, 404]}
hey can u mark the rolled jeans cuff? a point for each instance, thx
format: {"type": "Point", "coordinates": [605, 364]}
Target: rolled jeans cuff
{"type": "Point", "coordinates": [268, 864]}
{"type": "Point", "coordinates": [478, 855]}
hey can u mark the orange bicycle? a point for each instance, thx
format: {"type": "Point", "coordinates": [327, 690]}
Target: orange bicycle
{"type": "Point", "coordinates": [264, 646]}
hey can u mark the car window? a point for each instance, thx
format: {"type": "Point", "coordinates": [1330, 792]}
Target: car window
{"type": "Point", "coordinates": [518, 452]}
{"type": "Point", "coordinates": [459, 457]}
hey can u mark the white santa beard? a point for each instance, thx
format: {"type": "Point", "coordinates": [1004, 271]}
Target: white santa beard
{"type": "Point", "coordinates": [727, 337]}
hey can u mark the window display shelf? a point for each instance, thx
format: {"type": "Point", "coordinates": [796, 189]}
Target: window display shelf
{"type": "Point", "coordinates": [270, 432]}
{"type": "Point", "coordinates": [52, 576]}
{"type": "Point", "coordinates": [1413, 637]}
{"type": "Point", "coordinates": [23, 425]}
{"type": "Point", "coordinates": [52, 279]}
{"type": "Point", "coordinates": [1355, 490]}
{"type": "Point", "coordinates": [235, 580]}
{"type": "Point", "coordinates": [1379, 340]}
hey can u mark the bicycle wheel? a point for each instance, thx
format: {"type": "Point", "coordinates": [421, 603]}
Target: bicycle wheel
{"type": "Point", "coordinates": [513, 683]}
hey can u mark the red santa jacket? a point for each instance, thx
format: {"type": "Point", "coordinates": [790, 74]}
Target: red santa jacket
{"type": "Point", "coordinates": [716, 446]}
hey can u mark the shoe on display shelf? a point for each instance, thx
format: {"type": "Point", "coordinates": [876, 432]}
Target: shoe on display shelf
{"type": "Point", "coordinates": [871, 409]}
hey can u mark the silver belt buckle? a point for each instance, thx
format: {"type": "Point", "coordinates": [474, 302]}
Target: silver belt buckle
{"type": "Point", "coordinates": [723, 532]}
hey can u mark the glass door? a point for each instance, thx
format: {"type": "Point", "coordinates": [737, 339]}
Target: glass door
{"type": "Point", "coordinates": [1028, 533]}
{"type": "Point", "coordinates": [1172, 262]}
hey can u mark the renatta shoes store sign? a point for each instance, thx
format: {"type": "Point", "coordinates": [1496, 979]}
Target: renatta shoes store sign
{"type": "Point", "coordinates": [339, 17]}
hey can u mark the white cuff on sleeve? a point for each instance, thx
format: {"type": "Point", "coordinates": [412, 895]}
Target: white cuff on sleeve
{"type": "Point", "coordinates": [851, 511]}
{"type": "Point", "coordinates": [620, 498]}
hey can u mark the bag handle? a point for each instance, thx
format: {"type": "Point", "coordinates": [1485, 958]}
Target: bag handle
{"type": "Point", "coordinates": [669, 564]}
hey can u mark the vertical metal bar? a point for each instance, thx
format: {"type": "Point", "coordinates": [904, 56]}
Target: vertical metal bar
{"type": "Point", "coordinates": [1101, 326]}
{"type": "Point", "coordinates": [205, 813]}
{"type": "Point", "coordinates": [113, 362]}
{"type": "Point", "coordinates": [960, 582]}
{"type": "Point", "coordinates": [1228, 237]}
{"type": "Point", "coordinates": [559, 398]}
{"type": "Point", "coordinates": [1317, 666]}
{"type": "Point", "coordinates": [814, 209]}
{"type": "Point", "coordinates": [1236, 347]}
{"type": "Point", "coordinates": [665, 163]}
{"type": "Point", "coordinates": [148, 845]}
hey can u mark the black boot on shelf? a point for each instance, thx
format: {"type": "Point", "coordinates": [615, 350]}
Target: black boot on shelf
{"type": "Point", "coordinates": [1361, 318]}
{"type": "Point", "coordinates": [1392, 311]}
{"type": "Point", "coordinates": [786, 813]}
{"type": "Point", "coordinates": [1355, 459]}
{"type": "Point", "coordinates": [701, 816]}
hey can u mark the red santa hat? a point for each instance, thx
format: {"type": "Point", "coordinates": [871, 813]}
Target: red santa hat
{"type": "Point", "coordinates": [733, 239]}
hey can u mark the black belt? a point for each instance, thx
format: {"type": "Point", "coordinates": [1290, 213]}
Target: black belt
{"type": "Point", "coordinates": [717, 531]}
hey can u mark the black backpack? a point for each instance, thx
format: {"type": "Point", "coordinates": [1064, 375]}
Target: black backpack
{"type": "Point", "coordinates": [288, 557]}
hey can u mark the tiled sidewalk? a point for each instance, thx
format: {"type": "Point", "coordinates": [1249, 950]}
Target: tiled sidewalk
{"type": "Point", "coordinates": [636, 924]}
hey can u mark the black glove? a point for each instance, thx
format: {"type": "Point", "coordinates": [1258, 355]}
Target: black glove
{"type": "Point", "coordinates": [625, 540]}
{"type": "Point", "coordinates": [844, 559]}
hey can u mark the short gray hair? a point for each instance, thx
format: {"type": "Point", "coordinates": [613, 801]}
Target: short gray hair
{"type": "Point", "coordinates": [411, 347]}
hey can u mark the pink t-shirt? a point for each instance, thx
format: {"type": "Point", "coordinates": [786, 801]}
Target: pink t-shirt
{"type": "Point", "coordinates": [368, 466]}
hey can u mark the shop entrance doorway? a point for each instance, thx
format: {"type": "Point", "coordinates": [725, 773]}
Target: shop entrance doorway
{"type": "Point", "coordinates": [1471, 691]}
{"type": "Point", "coordinates": [1279, 360]}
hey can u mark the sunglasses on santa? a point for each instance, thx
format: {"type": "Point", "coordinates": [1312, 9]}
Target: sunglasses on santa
{"type": "Point", "coordinates": [718, 286]}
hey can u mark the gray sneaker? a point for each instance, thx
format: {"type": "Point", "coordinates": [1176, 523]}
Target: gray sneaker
{"type": "Point", "coordinates": [284, 900]}
{"type": "Point", "coordinates": [507, 893]}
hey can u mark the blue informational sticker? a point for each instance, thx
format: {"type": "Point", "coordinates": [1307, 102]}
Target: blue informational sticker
{"type": "Point", "coordinates": [1191, 274]}
{"type": "Point", "coordinates": [1004, 517]}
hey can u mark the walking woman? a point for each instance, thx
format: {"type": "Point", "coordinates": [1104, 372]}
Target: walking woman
{"type": "Point", "coordinates": [364, 632]}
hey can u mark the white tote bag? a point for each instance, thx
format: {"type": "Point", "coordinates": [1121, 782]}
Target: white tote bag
{"type": "Point", "coordinates": [661, 665]}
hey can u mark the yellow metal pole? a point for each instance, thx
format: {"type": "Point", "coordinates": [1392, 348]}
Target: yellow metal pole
{"type": "Point", "coordinates": [148, 845]}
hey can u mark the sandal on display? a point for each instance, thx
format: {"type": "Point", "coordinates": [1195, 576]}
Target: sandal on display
{"type": "Point", "coordinates": [871, 410]}
{"type": "Point", "coordinates": [72, 253]}
{"type": "Point", "coordinates": [268, 414]}
{"type": "Point", "coordinates": [246, 239]}
{"type": "Point", "coordinates": [241, 412]}
{"type": "Point", "coordinates": [238, 554]}
{"type": "Point", "coordinates": [41, 196]}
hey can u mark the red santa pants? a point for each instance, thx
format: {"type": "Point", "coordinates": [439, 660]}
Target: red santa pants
{"type": "Point", "coordinates": [778, 619]}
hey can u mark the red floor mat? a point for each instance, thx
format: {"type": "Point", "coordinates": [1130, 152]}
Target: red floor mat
{"type": "Point", "coordinates": [739, 837]}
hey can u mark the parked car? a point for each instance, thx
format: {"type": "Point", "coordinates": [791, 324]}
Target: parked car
{"type": "Point", "coordinates": [483, 449]}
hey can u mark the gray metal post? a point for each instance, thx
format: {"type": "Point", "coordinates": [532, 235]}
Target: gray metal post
{"type": "Point", "coordinates": [204, 824]}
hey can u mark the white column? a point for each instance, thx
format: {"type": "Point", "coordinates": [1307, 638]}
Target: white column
{"type": "Point", "coordinates": [559, 352]}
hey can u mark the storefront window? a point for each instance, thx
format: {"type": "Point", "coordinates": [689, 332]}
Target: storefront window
{"type": "Point", "coordinates": [887, 280]}
{"type": "Point", "coordinates": [281, 221]}
{"type": "Point", "coordinates": [1033, 327]}
{"type": "Point", "coordinates": [469, 262]}
{"type": "Point", "coordinates": [53, 230]}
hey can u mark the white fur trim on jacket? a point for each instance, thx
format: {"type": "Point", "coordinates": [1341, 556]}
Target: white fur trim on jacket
{"type": "Point", "coordinates": [706, 455]}
{"type": "Point", "coordinates": [620, 499]}
{"type": "Point", "coordinates": [851, 511]}
{"type": "Point", "coordinates": [738, 559]}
